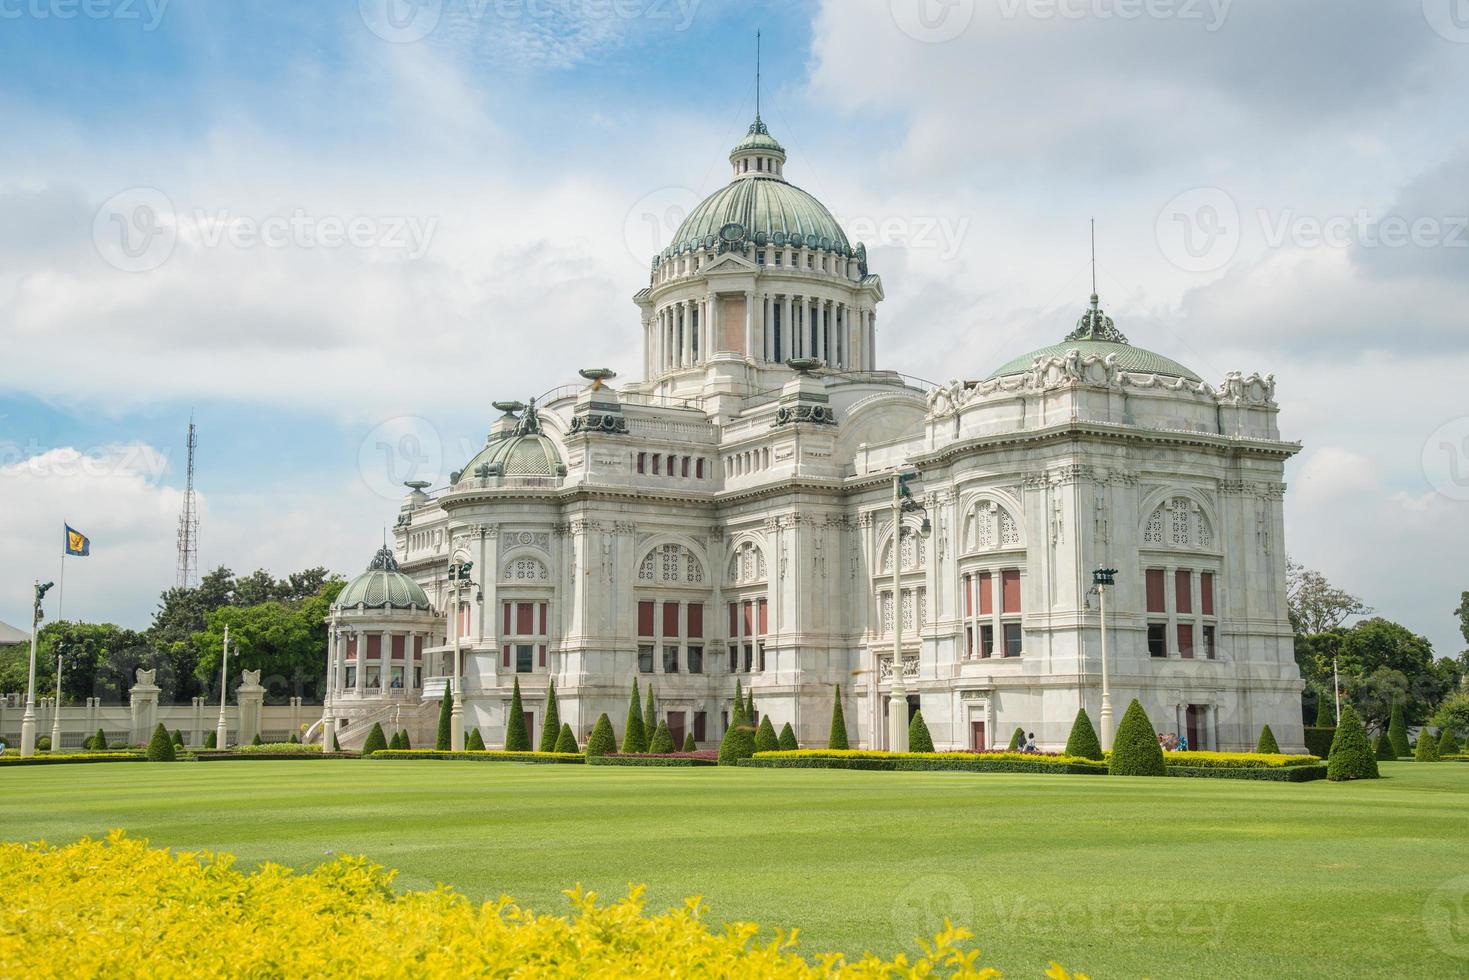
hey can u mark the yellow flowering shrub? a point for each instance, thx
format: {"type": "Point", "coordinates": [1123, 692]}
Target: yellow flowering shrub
{"type": "Point", "coordinates": [953, 756]}
{"type": "Point", "coordinates": [1237, 760]}
{"type": "Point", "coordinates": [117, 908]}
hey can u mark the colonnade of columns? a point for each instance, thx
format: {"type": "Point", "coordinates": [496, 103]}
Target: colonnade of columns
{"type": "Point", "coordinates": [777, 327]}
{"type": "Point", "coordinates": [346, 644]}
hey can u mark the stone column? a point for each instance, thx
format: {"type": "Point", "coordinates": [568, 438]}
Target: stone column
{"type": "Point", "coordinates": [362, 660]}
{"type": "Point", "coordinates": [749, 323]}
{"type": "Point", "coordinates": [786, 350]}
{"type": "Point", "coordinates": [250, 696]}
{"type": "Point", "coordinates": [714, 325]}
{"type": "Point", "coordinates": [144, 701]}
{"type": "Point", "coordinates": [767, 334]}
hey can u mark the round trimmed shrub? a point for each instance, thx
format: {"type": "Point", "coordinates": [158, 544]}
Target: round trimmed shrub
{"type": "Point", "coordinates": [787, 739]}
{"type": "Point", "coordinates": [160, 746]}
{"type": "Point", "coordinates": [919, 740]}
{"type": "Point", "coordinates": [662, 742]}
{"type": "Point", "coordinates": [1397, 730]}
{"type": "Point", "coordinates": [603, 741]}
{"type": "Point", "coordinates": [1427, 747]}
{"type": "Point", "coordinates": [1385, 751]}
{"type": "Point", "coordinates": [43, 743]}
{"type": "Point", "coordinates": [1135, 750]}
{"type": "Point", "coordinates": [475, 742]}
{"type": "Point", "coordinates": [1351, 755]}
{"type": "Point", "coordinates": [689, 745]}
{"type": "Point", "coordinates": [376, 740]}
{"type": "Point", "coordinates": [1017, 740]}
{"type": "Point", "coordinates": [838, 737]}
{"type": "Point", "coordinates": [566, 741]}
{"type": "Point", "coordinates": [1267, 744]}
{"type": "Point", "coordinates": [634, 736]}
{"type": "Point", "coordinates": [1083, 742]}
{"type": "Point", "coordinates": [765, 737]}
{"type": "Point", "coordinates": [1447, 743]}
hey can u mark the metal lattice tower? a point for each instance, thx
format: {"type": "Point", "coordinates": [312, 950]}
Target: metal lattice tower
{"type": "Point", "coordinates": [188, 565]}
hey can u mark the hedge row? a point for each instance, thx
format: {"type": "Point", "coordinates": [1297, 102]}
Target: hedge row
{"type": "Point", "coordinates": [534, 757]}
{"type": "Point", "coordinates": [675, 761]}
{"type": "Point", "coordinates": [775, 760]}
{"type": "Point", "coordinates": [1038, 757]}
{"type": "Point", "coordinates": [47, 759]}
{"type": "Point", "coordinates": [246, 756]}
{"type": "Point", "coordinates": [1281, 774]}
{"type": "Point", "coordinates": [1238, 760]}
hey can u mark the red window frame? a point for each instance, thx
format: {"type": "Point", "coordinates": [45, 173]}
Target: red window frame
{"type": "Point", "coordinates": [696, 621]}
{"type": "Point", "coordinates": [1183, 591]}
{"type": "Point", "coordinates": [1206, 593]}
{"type": "Point", "coordinates": [645, 617]}
{"type": "Point", "coordinates": [1157, 600]}
{"type": "Point", "coordinates": [1010, 590]}
{"type": "Point", "coordinates": [986, 594]}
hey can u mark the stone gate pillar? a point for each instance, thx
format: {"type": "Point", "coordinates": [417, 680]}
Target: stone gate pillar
{"type": "Point", "coordinates": [144, 701]}
{"type": "Point", "coordinates": [250, 696]}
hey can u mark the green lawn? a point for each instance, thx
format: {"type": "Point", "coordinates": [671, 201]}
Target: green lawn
{"type": "Point", "coordinates": [1112, 876]}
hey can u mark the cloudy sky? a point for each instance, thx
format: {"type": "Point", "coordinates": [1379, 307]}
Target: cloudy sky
{"type": "Point", "coordinates": [334, 234]}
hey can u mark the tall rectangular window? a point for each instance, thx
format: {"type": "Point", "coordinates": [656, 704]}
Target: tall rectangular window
{"type": "Point", "coordinates": [645, 618]}
{"type": "Point", "coordinates": [734, 620]}
{"type": "Point", "coordinates": [670, 659]}
{"type": "Point", "coordinates": [734, 658]}
{"type": "Point", "coordinates": [1206, 593]}
{"type": "Point", "coordinates": [670, 619]}
{"type": "Point", "coordinates": [699, 468]}
{"type": "Point", "coordinates": [1209, 648]}
{"type": "Point", "coordinates": [696, 660]}
{"type": "Point", "coordinates": [1157, 639]}
{"type": "Point", "coordinates": [701, 724]}
{"type": "Point", "coordinates": [524, 653]}
{"type": "Point", "coordinates": [968, 642]}
{"type": "Point", "coordinates": [696, 620]}
{"type": "Point", "coordinates": [987, 640]}
{"type": "Point", "coordinates": [642, 462]}
{"type": "Point", "coordinates": [1010, 587]}
{"type": "Point", "coordinates": [986, 594]}
{"type": "Point", "coordinates": [763, 620]}
{"type": "Point", "coordinates": [541, 608]}
{"type": "Point", "coordinates": [1186, 640]}
{"type": "Point", "coordinates": [505, 617]}
{"type": "Point", "coordinates": [748, 620]}
{"type": "Point", "coordinates": [656, 459]}
{"type": "Point", "coordinates": [1183, 591]}
{"type": "Point", "coordinates": [968, 584]}
{"type": "Point", "coordinates": [1012, 639]}
{"type": "Point", "coordinates": [645, 658]}
{"type": "Point", "coordinates": [684, 471]}
{"type": "Point", "coordinates": [525, 623]}
{"type": "Point", "coordinates": [1156, 600]}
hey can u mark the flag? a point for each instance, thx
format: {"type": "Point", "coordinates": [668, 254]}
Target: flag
{"type": "Point", "coordinates": [77, 543]}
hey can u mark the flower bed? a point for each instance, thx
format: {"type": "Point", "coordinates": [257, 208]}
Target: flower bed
{"type": "Point", "coordinates": [1295, 773]}
{"type": "Point", "coordinates": [924, 761]}
{"type": "Point", "coordinates": [117, 908]}
{"type": "Point", "coordinates": [486, 756]}
{"type": "Point", "coordinates": [65, 758]}
{"type": "Point", "coordinates": [1238, 760]}
{"type": "Point", "coordinates": [705, 757]}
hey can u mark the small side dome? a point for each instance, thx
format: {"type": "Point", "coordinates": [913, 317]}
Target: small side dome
{"type": "Point", "coordinates": [1096, 334]}
{"type": "Point", "coordinates": [382, 586]}
{"type": "Point", "coordinates": [526, 451]}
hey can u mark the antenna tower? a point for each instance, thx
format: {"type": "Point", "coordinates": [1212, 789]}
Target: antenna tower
{"type": "Point", "coordinates": [188, 564]}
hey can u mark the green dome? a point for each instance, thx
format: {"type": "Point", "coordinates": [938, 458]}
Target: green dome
{"type": "Point", "coordinates": [524, 452]}
{"type": "Point", "coordinates": [382, 586]}
{"type": "Point", "coordinates": [1096, 335]}
{"type": "Point", "coordinates": [764, 208]}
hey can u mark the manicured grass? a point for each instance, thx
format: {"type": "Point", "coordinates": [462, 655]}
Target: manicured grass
{"type": "Point", "coordinates": [1112, 876]}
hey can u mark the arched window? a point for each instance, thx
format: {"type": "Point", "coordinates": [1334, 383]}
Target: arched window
{"type": "Point", "coordinates": [526, 570]}
{"type": "Point", "coordinates": [913, 549]}
{"type": "Point", "coordinates": [989, 526]}
{"type": "Point", "coordinates": [1178, 523]}
{"type": "Point", "coordinates": [747, 564]}
{"type": "Point", "coordinates": [670, 564]}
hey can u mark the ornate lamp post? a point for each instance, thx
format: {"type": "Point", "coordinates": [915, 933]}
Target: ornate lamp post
{"type": "Point", "coordinates": [28, 720]}
{"type": "Point", "coordinates": [56, 714]}
{"type": "Point", "coordinates": [221, 728]}
{"type": "Point", "coordinates": [898, 697]}
{"type": "Point", "coordinates": [1102, 578]}
{"type": "Point", "coordinates": [458, 581]}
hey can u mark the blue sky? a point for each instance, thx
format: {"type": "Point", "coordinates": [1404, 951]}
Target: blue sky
{"type": "Point", "coordinates": [518, 164]}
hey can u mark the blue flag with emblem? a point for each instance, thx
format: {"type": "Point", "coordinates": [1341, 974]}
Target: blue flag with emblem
{"type": "Point", "coordinates": [77, 543]}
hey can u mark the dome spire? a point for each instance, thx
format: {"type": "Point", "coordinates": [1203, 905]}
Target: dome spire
{"type": "Point", "coordinates": [1094, 324]}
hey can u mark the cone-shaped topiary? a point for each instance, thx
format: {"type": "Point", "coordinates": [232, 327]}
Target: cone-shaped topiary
{"type": "Point", "coordinates": [919, 740]}
{"type": "Point", "coordinates": [257, 740]}
{"type": "Point", "coordinates": [551, 727]}
{"type": "Point", "coordinates": [1267, 743]}
{"type": "Point", "coordinates": [750, 706]}
{"type": "Point", "coordinates": [1083, 742]}
{"type": "Point", "coordinates": [838, 737]}
{"type": "Point", "coordinates": [603, 741]}
{"type": "Point", "coordinates": [662, 741]}
{"type": "Point", "coordinates": [765, 737]}
{"type": "Point", "coordinates": [293, 739]}
{"type": "Point", "coordinates": [210, 742]}
{"type": "Point", "coordinates": [1427, 748]}
{"type": "Point", "coordinates": [517, 739]}
{"type": "Point", "coordinates": [160, 746]}
{"type": "Point", "coordinates": [1397, 730]}
{"type": "Point", "coordinates": [1324, 717]}
{"type": "Point", "coordinates": [650, 715]}
{"type": "Point", "coordinates": [336, 746]}
{"type": "Point", "coordinates": [475, 742]}
{"type": "Point", "coordinates": [376, 740]}
{"type": "Point", "coordinates": [1385, 751]}
{"type": "Point", "coordinates": [444, 737]}
{"type": "Point", "coordinates": [566, 741]}
{"type": "Point", "coordinates": [739, 738]}
{"type": "Point", "coordinates": [99, 742]}
{"type": "Point", "coordinates": [689, 745]}
{"type": "Point", "coordinates": [1135, 750]}
{"type": "Point", "coordinates": [403, 742]}
{"type": "Point", "coordinates": [1017, 740]}
{"type": "Point", "coordinates": [393, 743]}
{"type": "Point", "coordinates": [634, 736]}
{"type": "Point", "coordinates": [178, 736]}
{"type": "Point", "coordinates": [1447, 743]}
{"type": "Point", "coordinates": [1351, 756]}
{"type": "Point", "coordinates": [787, 739]}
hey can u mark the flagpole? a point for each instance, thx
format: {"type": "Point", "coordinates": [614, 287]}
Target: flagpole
{"type": "Point", "coordinates": [60, 617]}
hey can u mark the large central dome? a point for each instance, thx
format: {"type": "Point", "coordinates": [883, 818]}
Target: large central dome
{"type": "Point", "coordinates": [760, 206]}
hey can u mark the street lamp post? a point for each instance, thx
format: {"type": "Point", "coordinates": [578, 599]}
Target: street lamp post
{"type": "Point", "coordinates": [56, 714]}
{"type": "Point", "coordinates": [458, 580]}
{"type": "Point", "coordinates": [898, 697]}
{"type": "Point", "coordinates": [328, 701]}
{"type": "Point", "coordinates": [28, 720]}
{"type": "Point", "coordinates": [221, 728]}
{"type": "Point", "coordinates": [1102, 578]}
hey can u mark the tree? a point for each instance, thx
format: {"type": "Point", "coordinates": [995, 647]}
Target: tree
{"type": "Point", "coordinates": [1385, 751]}
{"type": "Point", "coordinates": [662, 742]}
{"type": "Point", "coordinates": [1314, 604]}
{"type": "Point", "coordinates": [1453, 713]}
{"type": "Point", "coordinates": [1083, 742]}
{"type": "Point", "coordinates": [650, 715]}
{"type": "Point", "coordinates": [1267, 744]}
{"type": "Point", "coordinates": [444, 737]}
{"type": "Point", "coordinates": [765, 737]}
{"type": "Point", "coordinates": [603, 741]}
{"type": "Point", "coordinates": [1462, 611]}
{"type": "Point", "coordinates": [689, 745]}
{"type": "Point", "coordinates": [282, 638]}
{"type": "Point", "coordinates": [1017, 740]}
{"type": "Point", "coordinates": [1427, 748]}
{"type": "Point", "coordinates": [566, 741]}
{"type": "Point", "coordinates": [919, 740]}
{"type": "Point", "coordinates": [787, 739]}
{"type": "Point", "coordinates": [1351, 757]}
{"type": "Point", "coordinates": [517, 739]}
{"type": "Point", "coordinates": [1397, 730]}
{"type": "Point", "coordinates": [634, 736]}
{"type": "Point", "coordinates": [739, 738]}
{"type": "Point", "coordinates": [838, 737]}
{"type": "Point", "coordinates": [1447, 744]}
{"type": "Point", "coordinates": [551, 728]}
{"type": "Point", "coordinates": [1135, 750]}
{"type": "Point", "coordinates": [376, 740]}
{"type": "Point", "coordinates": [160, 746]}
{"type": "Point", "coordinates": [475, 742]}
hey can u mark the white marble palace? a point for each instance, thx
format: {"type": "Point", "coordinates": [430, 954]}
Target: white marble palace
{"type": "Point", "coordinates": [731, 517]}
